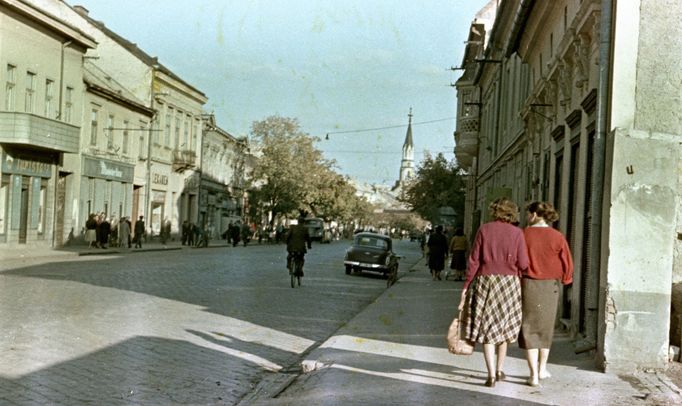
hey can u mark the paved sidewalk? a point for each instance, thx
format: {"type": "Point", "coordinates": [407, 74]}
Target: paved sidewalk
{"type": "Point", "coordinates": [394, 353]}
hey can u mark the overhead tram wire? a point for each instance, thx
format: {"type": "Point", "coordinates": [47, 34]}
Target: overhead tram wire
{"type": "Point", "coordinates": [387, 128]}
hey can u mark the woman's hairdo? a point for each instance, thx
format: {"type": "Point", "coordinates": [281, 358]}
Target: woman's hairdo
{"type": "Point", "coordinates": [504, 209]}
{"type": "Point", "coordinates": [544, 210]}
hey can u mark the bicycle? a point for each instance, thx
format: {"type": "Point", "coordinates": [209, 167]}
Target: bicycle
{"type": "Point", "coordinates": [295, 265]}
{"type": "Point", "coordinates": [392, 276]}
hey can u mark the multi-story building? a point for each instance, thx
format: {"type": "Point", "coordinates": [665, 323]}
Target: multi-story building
{"type": "Point", "coordinates": [41, 96]}
{"type": "Point", "coordinates": [576, 103]}
{"type": "Point", "coordinates": [222, 190]}
{"type": "Point", "coordinates": [164, 186]}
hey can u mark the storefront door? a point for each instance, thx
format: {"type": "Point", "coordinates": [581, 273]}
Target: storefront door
{"type": "Point", "coordinates": [23, 216]}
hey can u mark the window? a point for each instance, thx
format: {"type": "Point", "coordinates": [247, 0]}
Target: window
{"type": "Point", "coordinates": [177, 129]}
{"type": "Point", "coordinates": [142, 146]}
{"type": "Point", "coordinates": [49, 95]}
{"type": "Point", "coordinates": [68, 104]}
{"type": "Point", "coordinates": [110, 132]}
{"type": "Point", "coordinates": [4, 190]}
{"type": "Point", "coordinates": [29, 100]}
{"type": "Point", "coordinates": [41, 206]}
{"type": "Point", "coordinates": [126, 137]}
{"type": "Point", "coordinates": [185, 141]}
{"type": "Point", "coordinates": [167, 129]}
{"type": "Point", "coordinates": [10, 87]}
{"type": "Point", "coordinates": [93, 127]}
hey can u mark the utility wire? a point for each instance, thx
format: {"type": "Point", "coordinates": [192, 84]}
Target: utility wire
{"type": "Point", "coordinates": [389, 127]}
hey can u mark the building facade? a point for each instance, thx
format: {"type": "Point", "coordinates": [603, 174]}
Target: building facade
{"type": "Point", "coordinates": [41, 70]}
{"type": "Point", "coordinates": [560, 101]}
{"type": "Point", "coordinates": [222, 193]}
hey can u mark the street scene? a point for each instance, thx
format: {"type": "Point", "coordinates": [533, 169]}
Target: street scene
{"type": "Point", "coordinates": [336, 203]}
{"type": "Point", "coordinates": [182, 326]}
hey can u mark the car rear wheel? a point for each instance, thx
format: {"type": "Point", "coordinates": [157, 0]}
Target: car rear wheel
{"type": "Point", "coordinates": [348, 269]}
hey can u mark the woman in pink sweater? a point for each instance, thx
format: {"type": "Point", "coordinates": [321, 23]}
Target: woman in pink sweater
{"type": "Point", "coordinates": [498, 255]}
{"type": "Point", "coordinates": [550, 266]}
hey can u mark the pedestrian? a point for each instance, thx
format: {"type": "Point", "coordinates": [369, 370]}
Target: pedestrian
{"type": "Point", "coordinates": [246, 233]}
{"type": "Point", "coordinates": [104, 232]}
{"type": "Point", "coordinates": [139, 232]}
{"type": "Point", "coordinates": [438, 251]}
{"type": "Point", "coordinates": [551, 265]}
{"type": "Point", "coordinates": [190, 234]}
{"type": "Point", "coordinates": [498, 255]}
{"type": "Point", "coordinates": [91, 230]}
{"type": "Point", "coordinates": [458, 248]}
{"type": "Point", "coordinates": [124, 233]}
{"type": "Point", "coordinates": [185, 231]}
{"type": "Point", "coordinates": [164, 233]}
{"type": "Point", "coordinates": [234, 234]}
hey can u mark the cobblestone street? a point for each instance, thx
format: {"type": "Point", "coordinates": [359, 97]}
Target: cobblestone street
{"type": "Point", "coordinates": [197, 326]}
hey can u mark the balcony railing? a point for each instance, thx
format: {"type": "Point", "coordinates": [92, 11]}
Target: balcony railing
{"type": "Point", "coordinates": [183, 159]}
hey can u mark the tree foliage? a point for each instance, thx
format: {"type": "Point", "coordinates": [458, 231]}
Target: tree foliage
{"type": "Point", "coordinates": [291, 175]}
{"type": "Point", "coordinates": [437, 183]}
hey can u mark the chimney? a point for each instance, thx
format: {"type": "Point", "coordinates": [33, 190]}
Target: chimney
{"type": "Point", "coordinates": [81, 10]}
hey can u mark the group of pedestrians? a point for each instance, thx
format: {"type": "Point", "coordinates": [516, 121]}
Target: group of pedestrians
{"type": "Point", "coordinates": [100, 232]}
{"type": "Point", "coordinates": [512, 286]}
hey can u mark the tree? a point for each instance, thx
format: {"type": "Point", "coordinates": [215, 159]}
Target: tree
{"type": "Point", "coordinates": [291, 175]}
{"type": "Point", "coordinates": [437, 183]}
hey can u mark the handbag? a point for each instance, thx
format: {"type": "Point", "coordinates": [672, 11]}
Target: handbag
{"type": "Point", "coordinates": [457, 343]}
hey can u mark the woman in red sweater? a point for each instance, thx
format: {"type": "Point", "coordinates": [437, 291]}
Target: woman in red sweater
{"type": "Point", "coordinates": [550, 266]}
{"type": "Point", "coordinates": [498, 255]}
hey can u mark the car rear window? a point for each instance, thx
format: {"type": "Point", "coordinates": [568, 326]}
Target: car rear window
{"type": "Point", "coordinates": [371, 242]}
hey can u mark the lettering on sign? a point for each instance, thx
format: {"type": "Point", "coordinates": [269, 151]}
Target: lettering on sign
{"type": "Point", "coordinates": [26, 166]}
{"type": "Point", "coordinates": [105, 170]}
{"type": "Point", "coordinates": [159, 179]}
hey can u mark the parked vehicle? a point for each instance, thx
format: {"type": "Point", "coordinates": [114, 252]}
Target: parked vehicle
{"type": "Point", "coordinates": [315, 228]}
{"type": "Point", "coordinates": [371, 252]}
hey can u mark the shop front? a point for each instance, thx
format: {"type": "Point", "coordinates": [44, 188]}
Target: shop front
{"type": "Point", "coordinates": [26, 196]}
{"type": "Point", "coordinates": [106, 188]}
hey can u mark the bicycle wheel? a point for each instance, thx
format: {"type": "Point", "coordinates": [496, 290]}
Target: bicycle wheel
{"type": "Point", "coordinates": [299, 270]}
{"type": "Point", "coordinates": [293, 277]}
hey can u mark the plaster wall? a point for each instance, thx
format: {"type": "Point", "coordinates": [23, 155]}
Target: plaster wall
{"type": "Point", "coordinates": [642, 184]}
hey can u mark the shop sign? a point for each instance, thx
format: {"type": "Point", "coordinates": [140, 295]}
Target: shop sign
{"type": "Point", "coordinates": [26, 165]}
{"type": "Point", "coordinates": [100, 168]}
{"type": "Point", "coordinates": [159, 179]}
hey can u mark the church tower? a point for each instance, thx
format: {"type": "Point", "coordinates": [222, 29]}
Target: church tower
{"type": "Point", "coordinates": [407, 163]}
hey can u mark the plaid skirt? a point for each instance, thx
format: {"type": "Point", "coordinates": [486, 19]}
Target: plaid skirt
{"type": "Point", "coordinates": [494, 315]}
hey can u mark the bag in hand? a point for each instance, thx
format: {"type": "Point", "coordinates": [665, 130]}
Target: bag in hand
{"type": "Point", "coordinates": [457, 343]}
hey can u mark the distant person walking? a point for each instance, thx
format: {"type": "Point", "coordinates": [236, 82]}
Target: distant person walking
{"type": "Point", "coordinates": [458, 248]}
{"type": "Point", "coordinates": [498, 255]}
{"type": "Point", "coordinates": [124, 233]}
{"type": "Point", "coordinates": [438, 251]}
{"type": "Point", "coordinates": [550, 266]}
{"type": "Point", "coordinates": [104, 231]}
{"type": "Point", "coordinates": [139, 232]}
{"type": "Point", "coordinates": [91, 231]}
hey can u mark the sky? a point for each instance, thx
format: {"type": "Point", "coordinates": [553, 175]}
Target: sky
{"type": "Point", "coordinates": [338, 67]}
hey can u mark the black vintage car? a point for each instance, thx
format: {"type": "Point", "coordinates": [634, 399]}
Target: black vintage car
{"type": "Point", "coordinates": [371, 252]}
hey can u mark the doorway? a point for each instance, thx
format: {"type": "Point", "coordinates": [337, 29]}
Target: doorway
{"type": "Point", "coordinates": [23, 214]}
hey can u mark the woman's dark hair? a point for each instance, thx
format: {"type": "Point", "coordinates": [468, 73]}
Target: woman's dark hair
{"type": "Point", "coordinates": [505, 210]}
{"type": "Point", "coordinates": [439, 229]}
{"type": "Point", "coordinates": [544, 210]}
{"type": "Point", "coordinates": [459, 231]}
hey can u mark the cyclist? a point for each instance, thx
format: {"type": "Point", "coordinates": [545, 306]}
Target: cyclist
{"type": "Point", "coordinates": [297, 240]}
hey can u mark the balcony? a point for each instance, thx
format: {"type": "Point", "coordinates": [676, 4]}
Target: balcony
{"type": "Point", "coordinates": [183, 159]}
{"type": "Point", "coordinates": [466, 141]}
{"type": "Point", "coordinates": [29, 129]}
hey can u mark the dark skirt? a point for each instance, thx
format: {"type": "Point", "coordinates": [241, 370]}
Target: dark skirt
{"type": "Point", "coordinates": [494, 309]}
{"type": "Point", "coordinates": [459, 260]}
{"type": "Point", "coordinates": [540, 300]}
{"type": "Point", "coordinates": [436, 261]}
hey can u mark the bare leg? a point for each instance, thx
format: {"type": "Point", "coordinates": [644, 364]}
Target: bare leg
{"type": "Point", "coordinates": [501, 356]}
{"type": "Point", "coordinates": [544, 355]}
{"type": "Point", "coordinates": [532, 358]}
{"type": "Point", "coordinates": [489, 355]}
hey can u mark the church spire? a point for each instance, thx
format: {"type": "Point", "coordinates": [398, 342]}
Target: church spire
{"type": "Point", "coordinates": [408, 136]}
{"type": "Point", "coordinates": [407, 163]}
